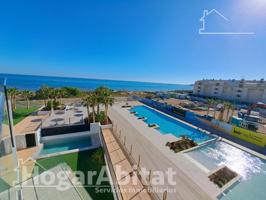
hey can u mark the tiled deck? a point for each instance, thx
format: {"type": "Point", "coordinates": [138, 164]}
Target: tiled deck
{"type": "Point", "coordinates": [75, 115]}
{"type": "Point", "coordinates": [129, 191]}
{"type": "Point", "coordinates": [29, 124]}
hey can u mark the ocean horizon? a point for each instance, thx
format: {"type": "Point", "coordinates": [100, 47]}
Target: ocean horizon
{"type": "Point", "coordinates": [34, 82]}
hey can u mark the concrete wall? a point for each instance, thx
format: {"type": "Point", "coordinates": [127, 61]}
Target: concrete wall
{"type": "Point", "coordinates": [6, 146]}
{"type": "Point", "coordinates": [21, 142]}
{"type": "Point", "coordinates": [107, 126]}
{"type": "Point", "coordinates": [95, 127]}
{"type": "Point", "coordinates": [38, 136]}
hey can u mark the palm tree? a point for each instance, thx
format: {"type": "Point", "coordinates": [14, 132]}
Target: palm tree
{"type": "Point", "coordinates": [230, 113]}
{"type": "Point", "coordinates": [91, 100]}
{"type": "Point", "coordinates": [57, 93]}
{"type": "Point", "coordinates": [215, 103]}
{"type": "Point", "coordinates": [86, 102]}
{"type": "Point", "coordinates": [100, 93]}
{"type": "Point", "coordinates": [27, 95]}
{"type": "Point", "coordinates": [221, 117]}
{"type": "Point", "coordinates": [228, 107]}
{"type": "Point", "coordinates": [107, 100]}
{"type": "Point", "coordinates": [94, 101]}
{"type": "Point", "coordinates": [52, 95]}
{"type": "Point", "coordinates": [13, 93]}
{"type": "Point", "coordinates": [61, 94]}
{"type": "Point", "coordinates": [43, 93]}
{"type": "Point", "coordinates": [209, 104]}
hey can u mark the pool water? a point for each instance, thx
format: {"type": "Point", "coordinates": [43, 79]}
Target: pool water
{"type": "Point", "coordinates": [168, 125]}
{"type": "Point", "coordinates": [251, 169]}
{"type": "Point", "coordinates": [65, 144]}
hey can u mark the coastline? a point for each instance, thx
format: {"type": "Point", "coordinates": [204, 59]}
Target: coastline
{"type": "Point", "coordinates": [34, 82]}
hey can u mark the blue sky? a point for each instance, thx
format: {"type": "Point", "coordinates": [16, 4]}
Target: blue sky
{"type": "Point", "coordinates": [145, 40]}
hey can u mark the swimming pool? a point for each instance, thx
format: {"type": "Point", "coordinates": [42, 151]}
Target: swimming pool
{"type": "Point", "coordinates": [251, 169]}
{"type": "Point", "coordinates": [168, 125]}
{"type": "Point", "coordinates": [65, 144]}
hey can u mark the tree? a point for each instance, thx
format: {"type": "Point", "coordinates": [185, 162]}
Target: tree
{"type": "Point", "coordinates": [230, 112]}
{"type": "Point", "coordinates": [72, 92]}
{"type": "Point", "coordinates": [107, 100]}
{"type": "Point", "coordinates": [27, 95]}
{"type": "Point", "coordinates": [221, 116]}
{"type": "Point", "coordinates": [52, 96]}
{"type": "Point", "coordinates": [209, 104]}
{"type": "Point", "coordinates": [100, 93]}
{"type": "Point", "coordinates": [57, 93]}
{"type": "Point", "coordinates": [215, 103]}
{"type": "Point", "coordinates": [91, 100]}
{"type": "Point", "coordinates": [43, 93]}
{"type": "Point", "coordinates": [13, 93]}
{"type": "Point", "coordinates": [61, 94]}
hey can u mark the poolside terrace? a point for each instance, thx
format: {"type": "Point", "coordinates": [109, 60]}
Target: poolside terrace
{"type": "Point", "coordinates": [119, 161]}
{"type": "Point", "coordinates": [128, 126]}
{"type": "Point", "coordinates": [71, 115]}
{"type": "Point", "coordinates": [156, 156]}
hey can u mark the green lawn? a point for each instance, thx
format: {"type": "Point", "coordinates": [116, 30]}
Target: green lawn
{"type": "Point", "coordinates": [20, 113]}
{"type": "Point", "coordinates": [84, 161]}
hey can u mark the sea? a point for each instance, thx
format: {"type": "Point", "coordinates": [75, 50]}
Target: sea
{"type": "Point", "coordinates": [33, 83]}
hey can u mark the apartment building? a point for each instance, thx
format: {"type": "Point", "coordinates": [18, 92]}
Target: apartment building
{"type": "Point", "coordinates": [234, 90]}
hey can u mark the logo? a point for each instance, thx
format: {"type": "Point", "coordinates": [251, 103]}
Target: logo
{"type": "Point", "coordinates": [214, 13]}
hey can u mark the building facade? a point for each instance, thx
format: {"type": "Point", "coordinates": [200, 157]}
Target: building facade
{"type": "Point", "coordinates": [233, 90]}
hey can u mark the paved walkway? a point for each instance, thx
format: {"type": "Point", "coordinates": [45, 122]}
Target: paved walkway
{"type": "Point", "coordinates": [29, 124]}
{"type": "Point", "coordinates": [130, 186]}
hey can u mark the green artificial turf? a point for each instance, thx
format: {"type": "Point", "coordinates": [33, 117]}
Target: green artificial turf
{"type": "Point", "coordinates": [84, 161]}
{"type": "Point", "coordinates": [20, 113]}
{"type": "Point", "coordinates": [3, 185]}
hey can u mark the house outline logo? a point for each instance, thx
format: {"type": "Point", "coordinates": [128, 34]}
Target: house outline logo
{"type": "Point", "coordinates": [202, 29]}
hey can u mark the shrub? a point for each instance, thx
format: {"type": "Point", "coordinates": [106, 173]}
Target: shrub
{"type": "Point", "coordinates": [98, 157]}
{"type": "Point", "coordinates": [100, 117]}
{"type": "Point", "coordinates": [56, 105]}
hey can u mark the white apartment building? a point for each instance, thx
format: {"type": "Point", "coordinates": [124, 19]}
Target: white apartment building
{"type": "Point", "coordinates": [234, 90]}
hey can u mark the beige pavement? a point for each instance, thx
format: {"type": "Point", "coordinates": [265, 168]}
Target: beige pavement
{"type": "Point", "coordinates": [130, 186]}
{"type": "Point", "coordinates": [29, 124]}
